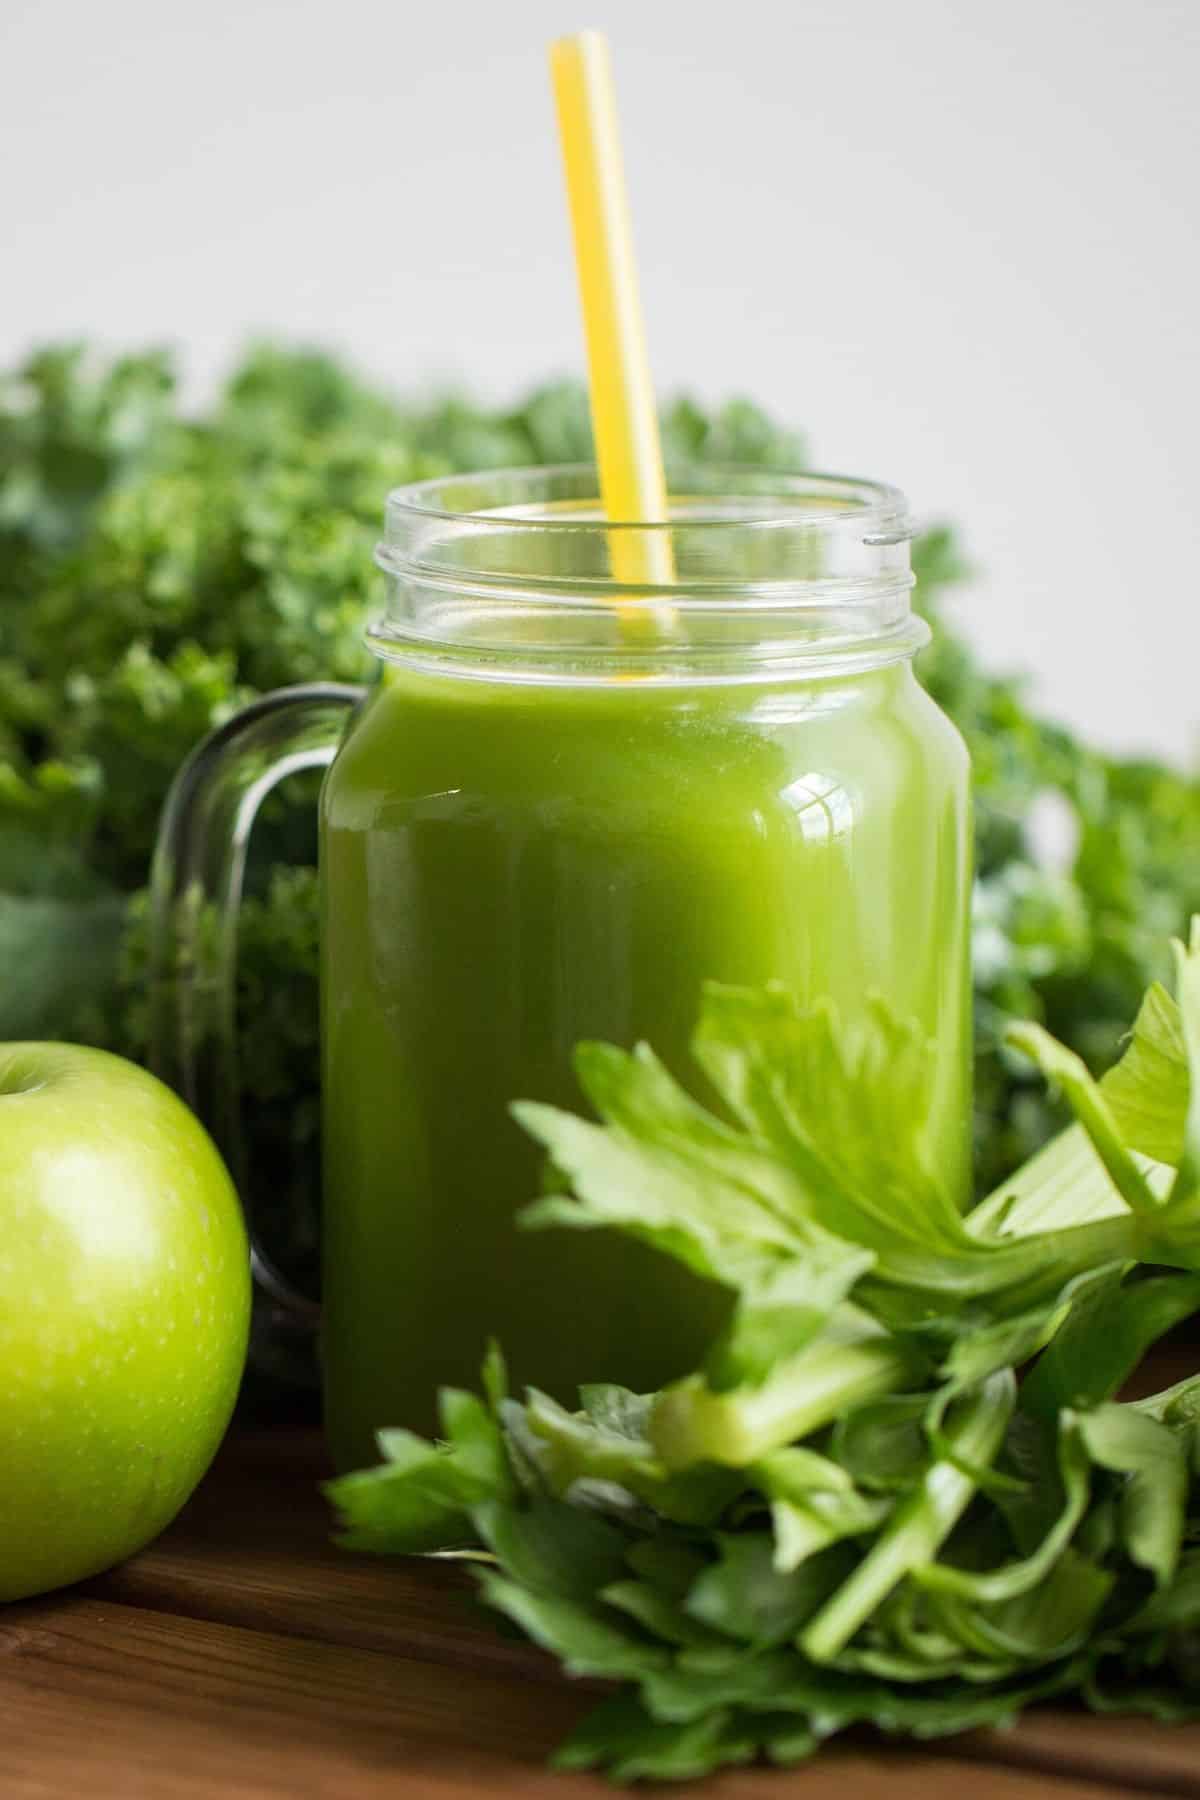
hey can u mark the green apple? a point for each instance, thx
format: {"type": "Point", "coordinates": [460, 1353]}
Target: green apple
{"type": "Point", "coordinates": [124, 1310]}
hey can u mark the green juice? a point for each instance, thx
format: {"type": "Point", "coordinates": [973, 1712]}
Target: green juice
{"type": "Point", "coordinates": [512, 865]}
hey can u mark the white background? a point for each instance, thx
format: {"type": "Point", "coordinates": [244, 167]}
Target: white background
{"type": "Point", "coordinates": [958, 241]}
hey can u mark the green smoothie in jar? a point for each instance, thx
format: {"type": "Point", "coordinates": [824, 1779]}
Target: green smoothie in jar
{"type": "Point", "coordinates": [563, 808]}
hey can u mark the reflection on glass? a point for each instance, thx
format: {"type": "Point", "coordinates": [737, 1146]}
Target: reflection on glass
{"type": "Point", "coordinates": [822, 806]}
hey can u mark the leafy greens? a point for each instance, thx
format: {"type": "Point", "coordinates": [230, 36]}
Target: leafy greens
{"type": "Point", "coordinates": [855, 1511]}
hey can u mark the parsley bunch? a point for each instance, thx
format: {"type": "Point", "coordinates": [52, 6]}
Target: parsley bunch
{"type": "Point", "coordinates": [854, 1511]}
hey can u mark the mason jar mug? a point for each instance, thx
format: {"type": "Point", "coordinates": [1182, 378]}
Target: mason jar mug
{"type": "Point", "coordinates": [568, 800]}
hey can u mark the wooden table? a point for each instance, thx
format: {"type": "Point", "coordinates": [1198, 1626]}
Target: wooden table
{"type": "Point", "coordinates": [241, 1656]}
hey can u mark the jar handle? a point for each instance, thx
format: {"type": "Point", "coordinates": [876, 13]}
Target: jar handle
{"type": "Point", "coordinates": [195, 892]}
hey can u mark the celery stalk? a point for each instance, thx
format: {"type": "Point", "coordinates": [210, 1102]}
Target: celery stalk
{"type": "Point", "coordinates": [975, 1430]}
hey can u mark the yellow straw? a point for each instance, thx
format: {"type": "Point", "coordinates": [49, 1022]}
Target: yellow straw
{"type": "Point", "coordinates": [624, 419]}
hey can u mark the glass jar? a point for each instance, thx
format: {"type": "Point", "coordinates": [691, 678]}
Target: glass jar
{"type": "Point", "coordinates": [567, 801]}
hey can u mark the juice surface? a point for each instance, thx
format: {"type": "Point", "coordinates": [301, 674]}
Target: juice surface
{"type": "Point", "coordinates": [508, 867]}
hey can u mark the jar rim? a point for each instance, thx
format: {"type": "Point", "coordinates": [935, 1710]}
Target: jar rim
{"type": "Point", "coordinates": [786, 494]}
{"type": "Point", "coordinates": [521, 569]}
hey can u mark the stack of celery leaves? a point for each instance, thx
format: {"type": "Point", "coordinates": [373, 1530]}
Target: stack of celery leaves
{"type": "Point", "coordinates": [901, 1491]}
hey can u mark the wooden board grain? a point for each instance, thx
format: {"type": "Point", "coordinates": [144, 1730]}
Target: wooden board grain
{"type": "Point", "coordinates": [105, 1699]}
{"type": "Point", "coordinates": [123, 1703]}
{"type": "Point", "coordinates": [1134, 1755]}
